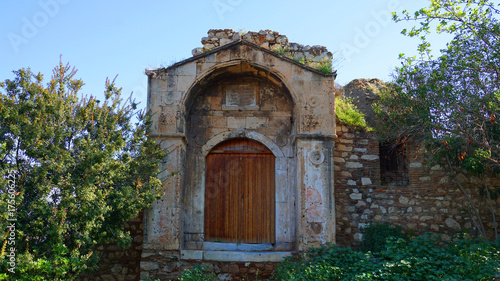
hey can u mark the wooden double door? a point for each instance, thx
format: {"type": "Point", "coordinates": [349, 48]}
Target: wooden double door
{"type": "Point", "coordinates": [239, 193]}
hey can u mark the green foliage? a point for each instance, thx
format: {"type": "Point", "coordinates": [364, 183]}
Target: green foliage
{"type": "Point", "coordinates": [450, 104]}
{"type": "Point", "coordinates": [348, 114]}
{"type": "Point", "coordinates": [198, 273]}
{"type": "Point", "coordinates": [376, 234]}
{"type": "Point", "coordinates": [325, 67]}
{"type": "Point", "coordinates": [83, 169]}
{"type": "Point", "coordinates": [281, 50]}
{"type": "Point", "coordinates": [423, 258]}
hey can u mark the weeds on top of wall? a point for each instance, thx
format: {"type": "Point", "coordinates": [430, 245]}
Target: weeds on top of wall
{"type": "Point", "coordinates": [348, 114]}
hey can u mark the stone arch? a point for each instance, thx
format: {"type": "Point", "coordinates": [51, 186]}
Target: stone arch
{"type": "Point", "coordinates": [219, 69]}
{"type": "Point", "coordinates": [242, 133]}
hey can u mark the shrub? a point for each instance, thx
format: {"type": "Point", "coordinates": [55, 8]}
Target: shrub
{"type": "Point", "coordinates": [423, 258]}
{"type": "Point", "coordinates": [376, 234]}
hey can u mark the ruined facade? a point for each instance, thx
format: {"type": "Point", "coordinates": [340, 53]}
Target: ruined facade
{"type": "Point", "coordinates": [235, 104]}
{"type": "Point", "coordinates": [258, 168]}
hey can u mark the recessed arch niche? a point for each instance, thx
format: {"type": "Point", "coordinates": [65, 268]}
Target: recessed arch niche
{"type": "Point", "coordinates": [239, 102]}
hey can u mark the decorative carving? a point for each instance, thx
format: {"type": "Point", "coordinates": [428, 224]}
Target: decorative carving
{"type": "Point", "coordinates": [314, 101]}
{"type": "Point", "coordinates": [167, 117]}
{"type": "Point", "coordinates": [169, 98]}
{"type": "Point", "coordinates": [281, 141]}
{"type": "Point", "coordinates": [310, 122]}
{"type": "Point", "coordinates": [240, 95]}
{"type": "Point", "coordinates": [317, 157]}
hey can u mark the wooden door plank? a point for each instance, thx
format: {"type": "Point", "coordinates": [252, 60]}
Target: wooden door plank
{"type": "Point", "coordinates": [239, 193]}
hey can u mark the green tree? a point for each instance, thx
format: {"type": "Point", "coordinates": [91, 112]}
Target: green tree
{"type": "Point", "coordinates": [450, 104]}
{"type": "Point", "coordinates": [83, 168]}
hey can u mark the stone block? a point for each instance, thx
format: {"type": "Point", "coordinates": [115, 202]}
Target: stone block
{"type": "Point", "coordinates": [415, 165]}
{"type": "Point", "coordinates": [191, 255]}
{"type": "Point", "coordinates": [338, 159]}
{"type": "Point", "coordinates": [149, 266]}
{"type": "Point", "coordinates": [451, 223]}
{"type": "Point", "coordinates": [403, 200]}
{"type": "Point", "coordinates": [236, 122]}
{"type": "Point", "coordinates": [256, 122]}
{"type": "Point", "coordinates": [224, 41]}
{"type": "Point", "coordinates": [342, 147]}
{"type": "Point", "coordinates": [356, 196]}
{"type": "Point", "coordinates": [370, 157]}
{"type": "Point", "coordinates": [366, 181]}
{"type": "Point", "coordinates": [354, 165]}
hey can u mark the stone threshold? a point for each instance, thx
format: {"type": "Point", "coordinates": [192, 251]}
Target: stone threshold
{"type": "Point", "coordinates": [246, 247]}
{"type": "Point", "coordinates": [234, 256]}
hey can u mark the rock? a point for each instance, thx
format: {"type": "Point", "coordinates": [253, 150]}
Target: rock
{"type": "Point", "coordinates": [221, 35]}
{"type": "Point", "coordinates": [345, 174]}
{"type": "Point", "coordinates": [415, 165]}
{"type": "Point", "coordinates": [338, 159]}
{"type": "Point", "coordinates": [116, 269]}
{"type": "Point", "coordinates": [370, 157]}
{"type": "Point", "coordinates": [107, 278]}
{"type": "Point", "coordinates": [248, 37]}
{"type": "Point", "coordinates": [354, 165]}
{"type": "Point", "coordinates": [282, 39]}
{"type": "Point", "coordinates": [366, 181]}
{"type": "Point", "coordinates": [403, 200]}
{"type": "Point", "coordinates": [225, 41]}
{"type": "Point", "coordinates": [451, 223]}
{"type": "Point", "coordinates": [236, 36]}
{"type": "Point", "coordinates": [208, 47]}
{"type": "Point", "coordinates": [270, 38]}
{"type": "Point", "coordinates": [148, 266]}
{"type": "Point", "coordinates": [426, 218]}
{"type": "Point", "coordinates": [356, 196]}
{"type": "Point", "coordinates": [358, 237]}
{"type": "Point", "coordinates": [425, 178]}
{"type": "Point", "coordinates": [351, 182]}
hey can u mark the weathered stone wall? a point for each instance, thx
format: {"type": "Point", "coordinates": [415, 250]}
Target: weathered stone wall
{"type": "Point", "coordinates": [118, 264]}
{"type": "Point", "coordinates": [432, 202]}
{"type": "Point", "coordinates": [292, 114]}
{"type": "Point", "coordinates": [310, 55]}
{"type": "Point", "coordinates": [168, 265]}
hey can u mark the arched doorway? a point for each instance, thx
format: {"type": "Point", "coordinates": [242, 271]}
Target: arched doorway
{"type": "Point", "coordinates": [240, 193]}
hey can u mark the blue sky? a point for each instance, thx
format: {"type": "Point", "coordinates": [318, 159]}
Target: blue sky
{"type": "Point", "coordinates": [108, 38]}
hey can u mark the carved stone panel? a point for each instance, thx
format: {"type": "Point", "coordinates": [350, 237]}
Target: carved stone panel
{"type": "Point", "coordinates": [240, 96]}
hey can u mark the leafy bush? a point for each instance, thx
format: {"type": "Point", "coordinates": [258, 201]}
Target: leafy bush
{"type": "Point", "coordinates": [376, 234]}
{"type": "Point", "coordinates": [82, 167]}
{"type": "Point", "coordinates": [348, 114]}
{"type": "Point", "coordinates": [423, 258]}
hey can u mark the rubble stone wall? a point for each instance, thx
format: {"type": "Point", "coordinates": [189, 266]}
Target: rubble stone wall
{"type": "Point", "coordinates": [117, 263]}
{"type": "Point", "coordinates": [432, 202]}
{"type": "Point", "coordinates": [312, 56]}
